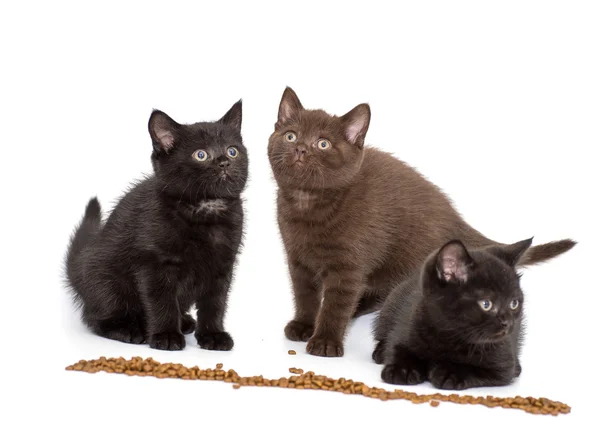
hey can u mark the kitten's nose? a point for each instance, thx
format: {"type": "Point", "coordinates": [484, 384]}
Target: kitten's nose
{"type": "Point", "coordinates": [223, 164]}
{"type": "Point", "coordinates": [504, 323]}
{"type": "Point", "coordinates": [300, 152]}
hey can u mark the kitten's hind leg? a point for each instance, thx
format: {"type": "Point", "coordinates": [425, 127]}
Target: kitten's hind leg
{"type": "Point", "coordinates": [517, 368]}
{"type": "Point", "coordinates": [124, 329]}
{"type": "Point", "coordinates": [366, 305]}
{"type": "Point", "coordinates": [404, 368]}
{"type": "Point", "coordinates": [188, 324]}
{"type": "Point", "coordinates": [379, 352]}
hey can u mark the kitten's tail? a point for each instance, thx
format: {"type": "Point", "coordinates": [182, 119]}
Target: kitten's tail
{"type": "Point", "coordinates": [544, 252]}
{"type": "Point", "coordinates": [534, 255]}
{"type": "Point", "coordinates": [82, 235]}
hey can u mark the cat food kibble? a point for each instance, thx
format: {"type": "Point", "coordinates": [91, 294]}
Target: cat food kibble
{"type": "Point", "coordinates": [291, 352]}
{"type": "Point", "coordinates": [149, 367]}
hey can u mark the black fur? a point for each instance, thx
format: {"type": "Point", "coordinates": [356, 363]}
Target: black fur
{"type": "Point", "coordinates": [433, 327]}
{"type": "Point", "coordinates": [171, 241]}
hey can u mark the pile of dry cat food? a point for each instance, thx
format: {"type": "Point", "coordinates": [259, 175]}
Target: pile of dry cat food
{"type": "Point", "coordinates": [309, 380]}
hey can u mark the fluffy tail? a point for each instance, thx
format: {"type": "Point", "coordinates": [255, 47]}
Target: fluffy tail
{"type": "Point", "coordinates": [84, 232]}
{"type": "Point", "coordinates": [544, 252]}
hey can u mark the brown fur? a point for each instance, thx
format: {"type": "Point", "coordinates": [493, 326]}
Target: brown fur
{"type": "Point", "coordinates": [354, 221]}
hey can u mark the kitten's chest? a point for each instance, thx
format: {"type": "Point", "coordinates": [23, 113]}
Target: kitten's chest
{"type": "Point", "coordinates": [210, 229]}
{"type": "Point", "coordinates": [440, 347]}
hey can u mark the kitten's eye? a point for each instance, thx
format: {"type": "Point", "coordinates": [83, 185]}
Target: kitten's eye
{"type": "Point", "coordinates": [232, 152]}
{"type": "Point", "coordinates": [290, 137]}
{"type": "Point", "coordinates": [200, 155]}
{"type": "Point", "coordinates": [514, 304]}
{"type": "Point", "coordinates": [323, 144]}
{"type": "Point", "coordinates": [485, 305]}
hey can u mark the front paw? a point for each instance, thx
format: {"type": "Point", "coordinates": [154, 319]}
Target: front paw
{"type": "Point", "coordinates": [448, 378]}
{"type": "Point", "coordinates": [299, 332]}
{"type": "Point", "coordinates": [171, 341]}
{"type": "Point", "coordinates": [188, 324]}
{"type": "Point", "coordinates": [214, 341]}
{"type": "Point", "coordinates": [325, 347]}
{"type": "Point", "coordinates": [405, 373]}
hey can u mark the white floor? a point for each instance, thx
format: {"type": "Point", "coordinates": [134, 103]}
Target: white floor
{"type": "Point", "coordinates": [497, 105]}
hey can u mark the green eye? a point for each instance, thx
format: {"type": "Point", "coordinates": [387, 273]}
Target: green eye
{"type": "Point", "coordinates": [200, 155]}
{"type": "Point", "coordinates": [514, 304]}
{"type": "Point", "coordinates": [486, 305]}
{"type": "Point", "coordinates": [290, 136]}
{"type": "Point", "coordinates": [323, 144]}
{"type": "Point", "coordinates": [232, 152]}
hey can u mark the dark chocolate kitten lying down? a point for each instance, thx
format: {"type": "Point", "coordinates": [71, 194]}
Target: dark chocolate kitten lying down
{"type": "Point", "coordinates": [171, 241]}
{"type": "Point", "coordinates": [457, 322]}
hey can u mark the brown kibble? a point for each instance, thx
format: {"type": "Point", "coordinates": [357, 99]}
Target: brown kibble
{"type": "Point", "coordinates": [291, 352]}
{"type": "Point", "coordinates": [137, 366]}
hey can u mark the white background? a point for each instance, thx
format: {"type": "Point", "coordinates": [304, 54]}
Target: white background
{"type": "Point", "coordinates": [496, 102]}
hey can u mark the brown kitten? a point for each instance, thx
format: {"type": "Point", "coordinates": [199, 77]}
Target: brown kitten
{"type": "Point", "coordinates": [354, 221]}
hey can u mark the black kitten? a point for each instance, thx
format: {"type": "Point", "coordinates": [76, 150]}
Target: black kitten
{"type": "Point", "coordinates": [171, 241]}
{"type": "Point", "coordinates": [457, 322]}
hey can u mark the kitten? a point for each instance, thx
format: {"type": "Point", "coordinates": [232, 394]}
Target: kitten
{"type": "Point", "coordinates": [170, 242]}
{"type": "Point", "coordinates": [354, 220]}
{"type": "Point", "coordinates": [457, 321]}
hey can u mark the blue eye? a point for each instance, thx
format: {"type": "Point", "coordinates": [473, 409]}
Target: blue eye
{"type": "Point", "coordinates": [232, 152]}
{"type": "Point", "coordinates": [514, 304]}
{"type": "Point", "coordinates": [486, 305]}
{"type": "Point", "coordinates": [200, 155]}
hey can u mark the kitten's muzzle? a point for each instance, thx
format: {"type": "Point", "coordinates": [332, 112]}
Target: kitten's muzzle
{"type": "Point", "coordinates": [301, 151]}
{"type": "Point", "coordinates": [503, 329]}
{"type": "Point", "coordinates": [224, 166]}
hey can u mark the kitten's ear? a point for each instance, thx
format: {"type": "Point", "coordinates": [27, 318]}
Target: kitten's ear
{"type": "Point", "coordinates": [453, 262]}
{"type": "Point", "coordinates": [289, 107]}
{"type": "Point", "coordinates": [512, 252]}
{"type": "Point", "coordinates": [356, 123]}
{"type": "Point", "coordinates": [233, 117]}
{"type": "Point", "coordinates": [164, 131]}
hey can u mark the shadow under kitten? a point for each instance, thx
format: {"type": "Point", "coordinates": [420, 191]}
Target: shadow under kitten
{"type": "Point", "coordinates": [457, 322]}
{"type": "Point", "coordinates": [354, 221]}
{"type": "Point", "coordinates": [170, 242]}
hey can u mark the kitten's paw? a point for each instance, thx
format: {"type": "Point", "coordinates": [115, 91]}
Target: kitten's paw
{"type": "Point", "coordinates": [188, 324]}
{"type": "Point", "coordinates": [325, 347]}
{"type": "Point", "coordinates": [215, 341]}
{"type": "Point", "coordinates": [130, 334]}
{"type": "Point", "coordinates": [378, 352]}
{"type": "Point", "coordinates": [407, 373]}
{"type": "Point", "coordinates": [297, 331]}
{"type": "Point", "coordinates": [171, 341]}
{"type": "Point", "coordinates": [448, 378]}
